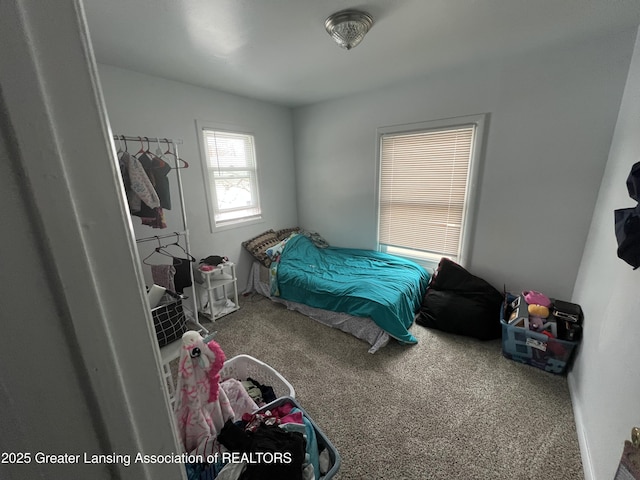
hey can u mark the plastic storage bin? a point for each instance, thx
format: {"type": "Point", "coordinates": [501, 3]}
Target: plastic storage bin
{"type": "Point", "coordinates": [321, 438]}
{"type": "Point", "coordinates": [245, 366]}
{"type": "Point", "coordinates": [533, 348]}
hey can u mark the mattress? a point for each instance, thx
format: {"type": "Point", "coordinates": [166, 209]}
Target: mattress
{"type": "Point", "coordinates": [364, 283]}
{"type": "Point", "coordinates": [362, 328]}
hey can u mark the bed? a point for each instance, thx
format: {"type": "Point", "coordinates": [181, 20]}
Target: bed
{"type": "Point", "coordinates": [370, 295]}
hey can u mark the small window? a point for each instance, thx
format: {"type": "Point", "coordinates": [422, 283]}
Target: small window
{"type": "Point", "coordinates": [425, 188]}
{"type": "Point", "coordinates": [232, 177]}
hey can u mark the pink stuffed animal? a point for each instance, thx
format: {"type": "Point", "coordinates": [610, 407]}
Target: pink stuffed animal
{"type": "Point", "coordinates": [214, 371]}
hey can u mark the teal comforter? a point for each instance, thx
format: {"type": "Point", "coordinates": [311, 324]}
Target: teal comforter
{"type": "Point", "coordinates": [363, 283]}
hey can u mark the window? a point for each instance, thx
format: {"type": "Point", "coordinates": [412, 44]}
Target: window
{"type": "Point", "coordinates": [232, 177]}
{"type": "Point", "coordinates": [427, 172]}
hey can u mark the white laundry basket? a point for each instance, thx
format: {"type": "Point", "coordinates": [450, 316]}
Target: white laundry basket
{"type": "Point", "coordinates": [242, 367]}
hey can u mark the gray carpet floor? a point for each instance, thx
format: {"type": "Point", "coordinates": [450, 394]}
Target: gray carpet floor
{"type": "Point", "coordinates": [449, 407]}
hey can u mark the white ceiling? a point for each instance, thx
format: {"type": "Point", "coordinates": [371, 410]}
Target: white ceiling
{"type": "Point", "coordinates": [278, 50]}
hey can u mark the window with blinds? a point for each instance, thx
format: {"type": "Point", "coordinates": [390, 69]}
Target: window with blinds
{"type": "Point", "coordinates": [232, 176]}
{"type": "Point", "coordinates": [424, 191]}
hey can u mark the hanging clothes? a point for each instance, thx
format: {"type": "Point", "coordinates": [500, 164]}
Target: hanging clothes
{"type": "Point", "coordinates": [140, 189]}
{"type": "Point", "coordinates": [161, 170]}
{"type": "Point", "coordinates": [154, 218]}
{"type": "Point", "coordinates": [157, 171]}
{"type": "Point", "coordinates": [182, 278]}
{"type": "Point", "coordinates": [142, 197]}
{"type": "Point", "coordinates": [163, 275]}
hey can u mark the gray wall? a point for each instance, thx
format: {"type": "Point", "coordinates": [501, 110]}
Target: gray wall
{"type": "Point", "coordinates": [79, 366]}
{"type": "Point", "coordinates": [552, 114]}
{"type": "Point", "coordinates": [144, 105]}
{"type": "Point", "coordinates": [22, 253]}
{"type": "Point", "coordinates": [604, 380]}
{"type": "Point", "coordinates": [552, 118]}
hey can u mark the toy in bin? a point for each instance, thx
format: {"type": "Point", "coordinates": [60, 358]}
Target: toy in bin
{"type": "Point", "coordinates": [531, 310]}
{"type": "Point", "coordinates": [533, 334]}
{"type": "Point", "coordinates": [204, 403]}
{"type": "Point", "coordinates": [554, 318]}
{"type": "Point", "coordinates": [569, 318]}
{"type": "Point", "coordinates": [201, 407]}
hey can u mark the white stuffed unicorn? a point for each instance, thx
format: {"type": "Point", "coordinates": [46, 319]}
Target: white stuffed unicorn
{"type": "Point", "coordinates": [201, 407]}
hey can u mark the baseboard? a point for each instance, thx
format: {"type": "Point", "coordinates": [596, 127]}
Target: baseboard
{"type": "Point", "coordinates": [583, 441]}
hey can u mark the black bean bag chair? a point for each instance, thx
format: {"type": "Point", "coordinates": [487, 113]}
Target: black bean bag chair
{"type": "Point", "coordinates": [458, 302]}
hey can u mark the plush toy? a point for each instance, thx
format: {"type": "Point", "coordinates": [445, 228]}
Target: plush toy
{"type": "Point", "coordinates": [202, 406]}
{"type": "Point", "coordinates": [209, 357]}
{"type": "Point", "coordinates": [536, 310]}
{"type": "Point", "coordinates": [536, 323]}
{"type": "Point", "coordinates": [536, 298]}
{"type": "Point", "coordinates": [214, 371]}
{"type": "Point", "coordinates": [193, 344]}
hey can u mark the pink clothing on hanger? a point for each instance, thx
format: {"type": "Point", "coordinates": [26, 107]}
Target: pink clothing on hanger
{"type": "Point", "coordinates": [163, 275]}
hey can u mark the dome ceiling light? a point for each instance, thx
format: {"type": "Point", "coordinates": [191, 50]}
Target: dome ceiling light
{"type": "Point", "coordinates": [348, 27]}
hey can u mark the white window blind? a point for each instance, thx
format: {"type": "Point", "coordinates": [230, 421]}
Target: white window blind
{"type": "Point", "coordinates": [233, 179]}
{"type": "Point", "coordinates": [423, 190]}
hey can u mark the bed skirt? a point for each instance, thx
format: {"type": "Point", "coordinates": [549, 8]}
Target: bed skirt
{"type": "Point", "coordinates": [360, 327]}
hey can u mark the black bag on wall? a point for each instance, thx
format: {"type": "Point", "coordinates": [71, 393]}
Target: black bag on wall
{"type": "Point", "coordinates": [628, 235]}
{"type": "Point", "coordinates": [627, 222]}
{"type": "Point", "coordinates": [633, 182]}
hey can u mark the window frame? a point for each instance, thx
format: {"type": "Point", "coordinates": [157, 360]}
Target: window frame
{"type": "Point", "coordinates": [212, 204]}
{"type": "Point", "coordinates": [479, 121]}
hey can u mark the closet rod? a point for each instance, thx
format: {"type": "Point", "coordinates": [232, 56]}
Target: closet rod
{"type": "Point", "coordinates": [159, 237]}
{"type": "Point", "coordinates": [146, 139]}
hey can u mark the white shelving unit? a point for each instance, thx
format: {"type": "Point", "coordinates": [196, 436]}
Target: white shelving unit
{"type": "Point", "coordinates": [221, 288]}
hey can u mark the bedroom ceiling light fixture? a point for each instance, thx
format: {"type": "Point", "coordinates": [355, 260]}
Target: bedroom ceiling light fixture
{"type": "Point", "coordinates": [348, 27]}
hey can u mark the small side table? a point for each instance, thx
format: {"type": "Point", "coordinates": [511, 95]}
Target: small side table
{"type": "Point", "coordinates": [221, 286]}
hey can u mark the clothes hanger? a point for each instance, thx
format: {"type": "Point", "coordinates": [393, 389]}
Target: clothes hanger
{"type": "Point", "coordinates": [148, 150]}
{"type": "Point", "coordinates": [186, 165]}
{"type": "Point", "coordinates": [190, 258]}
{"type": "Point", "coordinates": [159, 152]}
{"type": "Point", "coordinates": [158, 156]}
{"type": "Point", "coordinates": [141, 148]}
{"type": "Point", "coordinates": [122, 139]}
{"type": "Point", "coordinates": [160, 249]}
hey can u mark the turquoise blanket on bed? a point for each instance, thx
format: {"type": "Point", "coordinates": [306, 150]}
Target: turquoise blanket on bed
{"type": "Point", "coordinates": [363, 283]}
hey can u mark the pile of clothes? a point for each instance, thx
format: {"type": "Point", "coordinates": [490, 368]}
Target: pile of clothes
{"type": "Point", "coordinates": [220, 422]}
{"type": "Point", "coordinates": [276, 443]}
{"type": "Point", "coordinates": [261, 394]}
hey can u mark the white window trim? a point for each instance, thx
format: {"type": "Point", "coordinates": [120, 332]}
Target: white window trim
{"type": "Point", "coordinates": [469, 214]}
{"type": "Point", "coordinates": [202, 125]}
